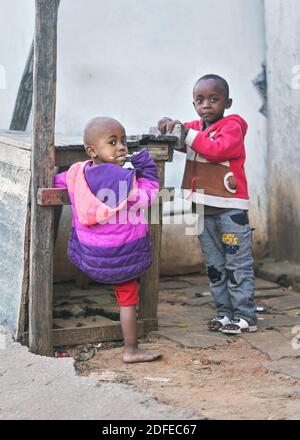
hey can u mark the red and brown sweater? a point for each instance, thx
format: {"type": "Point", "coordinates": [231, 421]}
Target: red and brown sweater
{"type": "Point", "coordinates": [215, 163]}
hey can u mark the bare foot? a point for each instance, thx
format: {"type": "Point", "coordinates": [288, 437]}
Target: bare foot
{"type": "Point", "coordinates": [138, 355]}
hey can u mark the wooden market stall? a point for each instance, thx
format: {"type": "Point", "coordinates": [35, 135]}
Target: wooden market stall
{"type": "Point", "coordinates": [27, 211]}
{"type": "Point", "coordinates": [26, 301]}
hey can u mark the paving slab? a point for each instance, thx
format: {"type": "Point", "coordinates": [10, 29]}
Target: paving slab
{"type": "Point", "coordinates": [286, 302]}
{"type": "Point", "coordinates": [198, 301]}
{"type": "Point", "coordinates": [189, 314]}
{"type": "Point", "coordinates": [270, 293]}
{"type": "Point", "coordinates": [197, 291]}
{"type": "Point", "coordinates": [164, 285]}
{"type": "Point", "coordinates": [81, 293]}
{"type": "Point", "coordinates": [289, 367]}
{"type": "Point", "coordinates": [260, 283]}
{"type": "Point", "coordinates": [194, 279]}
{"type": "Point", "coordinates": [174, 296]}
{"type": "Point", "coordinates": [192, 339]}
{"type": "Point", "coordinates": [188, 292]}
{"type": "Point", "coordinates": [282, 272]}
{"type": "Point", "coordinates": [100, 300]}
{"type": "Point", "coordinates": [277, 321]}
{"type": "Point", "coordinates": [273, 343]}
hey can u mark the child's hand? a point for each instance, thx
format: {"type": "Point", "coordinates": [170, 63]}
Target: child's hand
{"type": "Point", "coordinates": [167, 124]}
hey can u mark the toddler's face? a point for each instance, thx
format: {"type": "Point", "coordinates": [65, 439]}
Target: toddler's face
{"type": "Point", "coordinates": [110, 145]}
{"type": "Point", "coordinates": [210, 101]}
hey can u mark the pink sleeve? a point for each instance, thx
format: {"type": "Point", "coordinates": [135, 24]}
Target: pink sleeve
{"type": "Point", "coordinates": [146, 192]}
{"type": "Point", "coordinates": [60, 180]}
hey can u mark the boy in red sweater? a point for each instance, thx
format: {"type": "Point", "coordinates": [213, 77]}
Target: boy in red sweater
{"type": "Point", "coordinates": [215, 163]}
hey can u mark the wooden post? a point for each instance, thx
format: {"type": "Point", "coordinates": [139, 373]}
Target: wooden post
{"type": "Point", "coordinates": [42, 169]}
{"type": "Point", "coordinates": [149, 282]}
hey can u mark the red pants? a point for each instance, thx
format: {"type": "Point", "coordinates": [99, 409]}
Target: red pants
{"type": "Point", "coordinates": [127, 293]}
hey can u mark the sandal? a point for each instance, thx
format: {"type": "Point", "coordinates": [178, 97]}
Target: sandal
{"type": "Point", "coordinates": [216, 324]}
{"type": "Point", "coordinates": [237, 326]}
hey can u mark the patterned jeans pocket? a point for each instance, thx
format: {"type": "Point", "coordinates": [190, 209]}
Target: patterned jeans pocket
{"type": "Point", "coordinates": [240, 219]}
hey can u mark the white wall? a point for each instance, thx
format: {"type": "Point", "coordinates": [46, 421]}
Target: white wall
{"type": "Point", "coordinates": [17, 27]}
{"type": "Point", "coordinates": [138, 60]}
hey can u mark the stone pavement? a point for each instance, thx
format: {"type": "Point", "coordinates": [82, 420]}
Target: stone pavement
{"type": "Point", "coordinates": [34, 387]}
{"type": "Point", "coordinates": [282, 272]}
{"type": "Point", "coordinates": [186, 305]}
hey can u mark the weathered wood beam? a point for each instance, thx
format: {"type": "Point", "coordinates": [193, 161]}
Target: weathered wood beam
{"type": "Point", "coordinates": [88, 335]}
{"type": "Point", "coordinates": [149, 282]}
{"type": "Point", "coordinates": [177, 136]}
{"type": "Point", "coordinates": [59, 197]}
{"type": "Point", "coordinates": [52, 197]}
{"type": "Point", "coordinates": [42, 168]}
{"type": "Point", "coordinates": [23, 315]}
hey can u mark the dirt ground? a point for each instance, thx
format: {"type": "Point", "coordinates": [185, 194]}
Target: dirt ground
{"type": "Point", "coordinates": [256, 376]}
{"type": "Point", "coordinates": [219, 383]}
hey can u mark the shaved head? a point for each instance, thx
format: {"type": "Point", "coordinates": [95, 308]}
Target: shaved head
{"type": "Point", "coordinates": [105, 141]}
{"type": "Point", "coordinates": [98, 127]}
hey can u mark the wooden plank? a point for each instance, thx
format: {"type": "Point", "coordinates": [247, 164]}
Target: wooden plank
{"type": "Point", "coordinates": [89, 335]}
{"type": "Point", "coordinates": [160, 152]}
{"type": "Point", "coordinates": [18, 157]}
{"type": "Point", "coordinates": [14, 205]}
{"type": "Point", "coordinates": [147, 138]}
{"type": "Point", "coordinates": [59, 197]}
{"type": "Point", "coordinates": [178, 133]}
{"type": "Point", "coordinates": [149, 283]}
{"type": "Point", "coordinates": [15, 139]}
{"type": "Point", "coordinates": [52, 196]}
{"type": "Point", "coordinates": [65, 144]}
{"type": "Point", "coordinates": [66, 155]}
{"type": "Point", "coordinates": [23, 310]}
{"type": "Point", "coordinates": [42, 166]}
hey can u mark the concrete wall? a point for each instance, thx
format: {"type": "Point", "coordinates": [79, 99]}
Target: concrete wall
{"type": "Point", "coordinates": [283, 60]}
{"type": "Point", "coordinates": [138, 61]}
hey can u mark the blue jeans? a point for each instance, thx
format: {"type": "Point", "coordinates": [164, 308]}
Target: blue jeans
{"type": "Point", "coordinates": [226, 242]}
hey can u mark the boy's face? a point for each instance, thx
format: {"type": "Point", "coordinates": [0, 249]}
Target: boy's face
{"type": "Point", "coordinates": [109, 144]}
{"type": "Point", "coordinates": [210, 100]}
